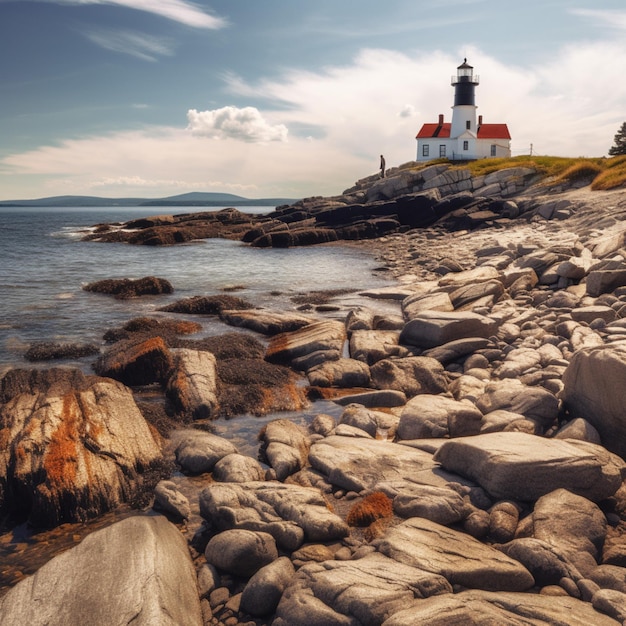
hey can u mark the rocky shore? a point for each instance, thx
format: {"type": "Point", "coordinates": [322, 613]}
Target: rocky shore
{"type": "Point", "coordinates": [473, 472]}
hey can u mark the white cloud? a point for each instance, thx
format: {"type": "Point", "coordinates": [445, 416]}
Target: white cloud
{"type": "Point", "coordinates": [408, 110]}
{"type": "Point", "coordinates": [245, 124]}
{"type": "Point", "coordinates": [135, 44]}
{"type": "Point", "coordinates": [603, 18]}
{"type": "Point", "coordinates": [180, 11]}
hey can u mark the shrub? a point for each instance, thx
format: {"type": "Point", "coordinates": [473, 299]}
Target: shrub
{"type": "Point", "coordinates": [375, 506]}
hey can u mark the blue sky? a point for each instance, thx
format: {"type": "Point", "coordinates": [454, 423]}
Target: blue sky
{"type": "Point", "coordinates": [287, 98]}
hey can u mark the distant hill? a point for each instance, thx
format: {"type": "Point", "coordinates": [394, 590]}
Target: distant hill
{"type": "Point", "coordinates": [195, 198]}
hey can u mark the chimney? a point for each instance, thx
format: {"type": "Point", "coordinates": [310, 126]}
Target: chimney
{"type": "Point", "coordinates": [480, 120]}
{"type": "Point", "coordinates": [440, 119]}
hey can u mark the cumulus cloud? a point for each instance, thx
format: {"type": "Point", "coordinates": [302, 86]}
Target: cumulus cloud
{"type": "Point", "coordinates": [135, 44]}
{"type": "Point", "coordinates": [177, 10]}
{"type": "Point", "coordinates": [244, 124]}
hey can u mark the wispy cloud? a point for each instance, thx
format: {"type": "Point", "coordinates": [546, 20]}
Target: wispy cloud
{"type": "Point", "coordinates": [605, 18]}
{"type": "Point", "coordinates": [180, 11]}
{"type": "Point", "coordinates": [244, 124]}
{"type": "Point", "coordinates": [135, 44]}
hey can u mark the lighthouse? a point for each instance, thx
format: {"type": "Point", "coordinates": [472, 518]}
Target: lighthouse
{"type": "Point", "coordinates": [466, 137]}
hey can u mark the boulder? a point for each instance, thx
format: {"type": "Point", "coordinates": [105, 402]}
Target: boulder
{"type": "Point", "coordinates": [197, 451]}
{"type": "Point", "coordinates": [360, 464]}
{"type": "Point", "coordinates": [136, 361]}
{"type": "Point", "coordinates": [461, 559]}
{"type": "Point", "coordinates": [238, 468]}
{"type": "Point", "coordinates": [371, 346]}
{"type": "Point", "coordinates": [426, 416]}
{"type": "Point", "coordinates": [73, 446]}
{"type": "Point", "coordinates": [434, 328]}
{"type": "Point", "coordinates": [264, 321]}
{"type": "Point", "coordinates": [285, 446]}
{"type": "Point", "coordinates": [241, 552]}
{"type": "Point", "coordinates": [573, 525]}
{"type": "Point", "coordinates": [290, 513]}
{"type": "Point", "coordinates": [465, 295]}
{"type": "Point", "coordinates": [454, 350]}
{"type": "Point", "coordinates": [345, 593]}
{"type": "Point", "coordinates": [519, 466]}
{"type": "Point", "coordinates": [512, 395]}
{"type": "Point", "coordinates": [605, 281]}
{"type": "Point", "coordinates": [369, 421]}
{"type": "Point", "coordinates": [413, 305]}
{"type": "Point", "coordinates": [411, 375]}
{"type": "Point", "coordinates": [325, 335]}
{"type": "Point", "coordinates": [484, 607]}
{"type": "Point", "coordinates": [594, 390]}
{"type": "Point", "coordinates": [192, 385]}
{"type": "Point", "coordinates": [263, 591]}
{"type": "Point", "coordinates": [340, 373]}
{"type": "Point", "coordinates": [137, 571]}
{"type": "Point", "coordinates": [170, 500]}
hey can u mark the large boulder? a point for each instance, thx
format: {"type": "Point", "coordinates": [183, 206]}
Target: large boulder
{"type": "Point", "coordinates": [434, 328]}
{"type": "Point", "coordinates": [357, 464]}
{"type": "Point", "coordinates": [594, 390]}
{"type": "Point", "coordinates": [285, 446]}
{"type": "Point", "coordinates": [73, 446]}
{"type": "Point", "coordinates": [519, 466]}
{"type": "Point", "coordinates": [461, 559]}
{"type": "Point", "coordinates": [241, 552]}
{"type": "Point", "coordinates": [137, 571]}
{"type": "Point", "coordinates": [197, 451]}
{"type": "Point", "coordinates": [345, 593]}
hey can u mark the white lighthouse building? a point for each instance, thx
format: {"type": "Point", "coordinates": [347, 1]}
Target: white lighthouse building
{"type": "Point", "coordinates": [465, 138]}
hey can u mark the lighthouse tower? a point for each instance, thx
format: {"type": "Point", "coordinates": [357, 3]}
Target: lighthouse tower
{"type": "Point", "coordinates": [464, 109]}
{"type": "Point", "coordinates": [465, 138]}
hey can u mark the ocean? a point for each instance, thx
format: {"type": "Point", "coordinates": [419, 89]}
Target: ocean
{"type": "Point", "coordinates": [44, 266]}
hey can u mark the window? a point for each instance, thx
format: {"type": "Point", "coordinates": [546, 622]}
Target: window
{"type": "Point", "coordinates": [425, 148]}
{"type": "Point", "coordinates": [493, 149]}
{"type": "Point", "coordinates": [442, 150]}
{"type": "Point", "coordinates": [468, 124]}
{"type": "Point", "coordinates": [466, 145]}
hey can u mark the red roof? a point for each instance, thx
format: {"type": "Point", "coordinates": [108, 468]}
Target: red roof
{"type": "Point", "coordinates": [493, 131]}
{"type": "Point", "coordinates": [434, 130]}
{"type": "Point", "coordinates": [485, 131]}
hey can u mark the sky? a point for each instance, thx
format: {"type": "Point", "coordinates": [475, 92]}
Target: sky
{"type": "Point", "coordinates": [287, 98]}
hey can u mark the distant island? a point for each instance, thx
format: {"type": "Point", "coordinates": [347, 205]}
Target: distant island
{"type": "Point", "coordinates": [195, 198]}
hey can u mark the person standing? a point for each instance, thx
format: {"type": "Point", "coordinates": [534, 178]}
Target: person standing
{"type": "Point", "coordinates": [382, 166]}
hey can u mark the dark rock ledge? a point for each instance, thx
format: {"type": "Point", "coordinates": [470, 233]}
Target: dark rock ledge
{"type": "Point", "coordinates": [474, 474]}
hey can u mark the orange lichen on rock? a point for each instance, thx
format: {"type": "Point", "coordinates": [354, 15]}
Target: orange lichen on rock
{"type": "Point", "coordinates": [61, 457]}
{"type": "Point", "coordinates": [375, 506]}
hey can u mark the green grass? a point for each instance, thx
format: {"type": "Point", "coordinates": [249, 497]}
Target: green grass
{"type": "Point", "coordinates": [602, 173]}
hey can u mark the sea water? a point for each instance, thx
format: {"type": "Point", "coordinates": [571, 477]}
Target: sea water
{"type": "Point", "coordinates": [44, 265]}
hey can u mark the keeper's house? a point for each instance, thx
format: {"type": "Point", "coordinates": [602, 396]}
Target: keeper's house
{"type": "Point", "coordinates": [464, 138]}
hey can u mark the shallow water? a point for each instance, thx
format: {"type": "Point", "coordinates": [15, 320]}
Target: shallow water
{"type": "Point", "coordinates": [44, 265]}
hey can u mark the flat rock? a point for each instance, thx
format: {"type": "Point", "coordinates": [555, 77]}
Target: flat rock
{"type": "Point", "coordinates": [325, 335]}
{"type": "Point", "coordinates": [434, 328]}
{"type": "Point", "coordinates": [290, 513]}
{"type": "Point", "coordinates": [461, 559]}
{"type": "Point", "coordinates": [265, 321]}
{"type": "Point", "coordinates": [484, 608]}
{"type": "Point", "coordinates": [359, 464]}
{"type": "Point", "coordinates": [416, 304]}
{"type": "Point", "coordinates": [371, 346]}
{"type": "Point", "coordinates": [519, 466]}
{"type": "Point", "coordinates": [364, 591]}
{"type": "Point", "coordinates": [429, 415]}
{"type": "Point", "coordinates": [137, 571]}
{"type": "Point", "coordinates": [340, 373]}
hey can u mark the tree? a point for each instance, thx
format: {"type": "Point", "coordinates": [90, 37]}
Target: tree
{"type": "Point", "coordinates": [620, 142]}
